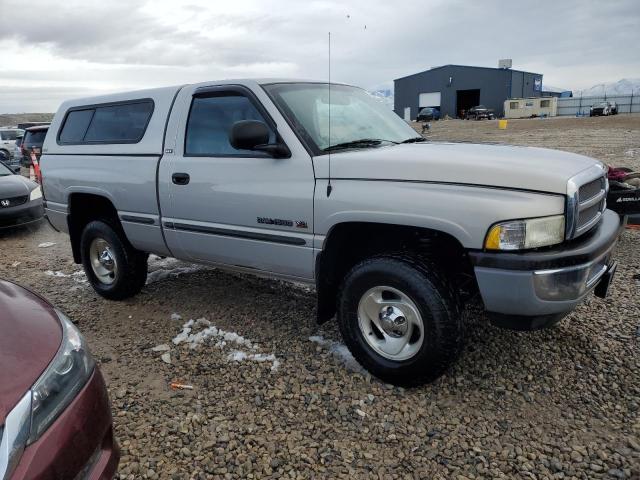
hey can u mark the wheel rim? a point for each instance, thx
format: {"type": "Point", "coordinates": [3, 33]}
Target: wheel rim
{"type": "Point", "coordinates": [390, 323]}
{"type": "Point", "coordinates": [103, 261]}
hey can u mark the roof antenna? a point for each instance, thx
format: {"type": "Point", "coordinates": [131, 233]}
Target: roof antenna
{"type": "Point", "coordinates": [329, 187]}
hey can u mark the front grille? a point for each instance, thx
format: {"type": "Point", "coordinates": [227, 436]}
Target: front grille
{"type": "Point", "coordinates": [13, 201]}
{"type": "Point", "coordinates": [589, 203]}
{"type": "Point", "coordinates": [588, 215]}
{"type": "Point", "coordinates": [590, 190]}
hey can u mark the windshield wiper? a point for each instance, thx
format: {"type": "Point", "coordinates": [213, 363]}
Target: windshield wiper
{"type": "Point", "coordinates": [363, 142]}
{"type": "Point", "coordinates": [414, 140]}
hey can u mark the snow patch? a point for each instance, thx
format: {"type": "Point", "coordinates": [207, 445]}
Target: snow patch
{"type": "Point", "coordinates": [51, 273]}
{"type": "Point", "coordinates": [163, 273]}
{"type": "Point", "coordinates": [184, 334]}
{"type": "Point", "coordinates": [340, 352]}
{"type": "Point", "coordinates": [219, 338]}
{"type": "Point", "coordinates": [79, 276]}
{"type": "Point", "coordinates": [176, 317]}
{"type": "Point", "coordinates": [211, 331]}
{"type": "Point", "coordinates": [46, 244]}
{"type": "Point", "coordinates": [240, 356]}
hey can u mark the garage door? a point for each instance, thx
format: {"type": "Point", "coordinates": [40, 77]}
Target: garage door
{"type": "Point", "coordinates": [431, 99]}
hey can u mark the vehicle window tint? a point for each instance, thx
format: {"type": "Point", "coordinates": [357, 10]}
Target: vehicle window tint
{"type": "Point", "coordinates": [8, 134]}
{"type": "Point", "coordinates": [75, 126]}
{"type": "Point", "coordinates": [210, 121]}
{"type": "Point", "coordinates": [35, 137]}
{"type": "Point", "coordinates": [119, 123]}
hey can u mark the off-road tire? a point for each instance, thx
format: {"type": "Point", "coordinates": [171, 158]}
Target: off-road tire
{"type": "Point", "coordinates": [439, 305]}
{"type": "Point", "coordinates": [132, 263]}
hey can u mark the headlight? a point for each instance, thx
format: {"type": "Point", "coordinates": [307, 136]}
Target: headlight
{"type": "Point", "coordinates": [61, 381]}
{"type": "Point", "coordinates": [35, 194]}
{"type": "Point", "coordinates": [523, 234]}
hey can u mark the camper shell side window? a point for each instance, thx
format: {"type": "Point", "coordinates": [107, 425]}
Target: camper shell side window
{"type": "Point", "coordinates": [107, 123]}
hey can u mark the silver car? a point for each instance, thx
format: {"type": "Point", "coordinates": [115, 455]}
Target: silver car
{"type": "Point", "coordinates": [9, 149]}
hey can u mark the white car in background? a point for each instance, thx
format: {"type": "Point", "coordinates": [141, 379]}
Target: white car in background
{"type": "Point", "coordinates": [9, 148]}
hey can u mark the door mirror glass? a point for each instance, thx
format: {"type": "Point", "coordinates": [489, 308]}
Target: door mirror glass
{"type": "Point", "coordinates": [248, 134]}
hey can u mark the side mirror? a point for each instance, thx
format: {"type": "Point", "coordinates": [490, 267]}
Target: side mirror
{"type": "Point", "coordinates": [248, 134]}
{"type": "Point", "coordinates": [254, 135]}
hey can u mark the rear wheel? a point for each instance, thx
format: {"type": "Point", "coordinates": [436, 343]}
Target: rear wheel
{"type": "Point", "coordinates": [401, 319]}
{"type": "Point", "coordinates": [114, 268]}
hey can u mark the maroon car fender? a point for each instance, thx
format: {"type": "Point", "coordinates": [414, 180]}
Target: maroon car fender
{"type": "Point", "coordinates": [80, 440]}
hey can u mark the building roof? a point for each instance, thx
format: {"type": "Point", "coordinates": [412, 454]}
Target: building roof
{"type": "Point", "coordinates": [465, 66]}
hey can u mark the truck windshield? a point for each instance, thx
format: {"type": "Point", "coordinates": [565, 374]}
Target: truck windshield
{"type": "Point", "coordinates": [357, 119]}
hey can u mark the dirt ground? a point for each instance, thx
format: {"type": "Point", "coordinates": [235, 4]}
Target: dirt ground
{"type": "Point", "coordinates": [614, 140]}
{"type": "Point", "coordinates": [274, 396]}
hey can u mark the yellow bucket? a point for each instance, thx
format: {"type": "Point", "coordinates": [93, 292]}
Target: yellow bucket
{"type": "Point", "coordinates": [502, 124]}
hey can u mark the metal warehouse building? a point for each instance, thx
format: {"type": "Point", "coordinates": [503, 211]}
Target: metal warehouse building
{"type": "Point", "coordinates": [455, 88]}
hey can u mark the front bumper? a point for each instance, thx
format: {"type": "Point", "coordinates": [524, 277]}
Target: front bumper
{"type": "Point", "coordinates": [79, 445]}
{"type": "Point", "coordinates": [22, 214]}
{"type": "Point", "coordinates": [549, 282]}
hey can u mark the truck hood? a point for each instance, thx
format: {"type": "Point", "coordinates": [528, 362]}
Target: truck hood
{"type": "Point", "coordinates": [30, 336]}
{"type": "Point", "coordinates": [504, 166]}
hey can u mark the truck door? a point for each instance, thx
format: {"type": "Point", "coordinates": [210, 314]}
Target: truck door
{"type": "Point", "coordinates": [233, 207]}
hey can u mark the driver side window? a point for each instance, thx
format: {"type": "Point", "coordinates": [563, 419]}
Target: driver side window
{"type": "Point", "coordinates": [210, 121]}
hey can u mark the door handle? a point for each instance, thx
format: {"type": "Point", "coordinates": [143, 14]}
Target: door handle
{"type": "Point", "coordinates": [180, 178]}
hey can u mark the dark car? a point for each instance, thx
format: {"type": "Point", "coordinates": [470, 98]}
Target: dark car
{"type": "Point", "coordinates": [479, 113]}
{"type": "Point", "coordinates": [603, 109]}
{"type": "Point", "coordinates": [55, 417]}
{"type": "Point", "coordinates": [427, 114]}
{"type": "Point", "coordinates": [20, 202]}
{"type": "Point", "coordinates": [33, 138]}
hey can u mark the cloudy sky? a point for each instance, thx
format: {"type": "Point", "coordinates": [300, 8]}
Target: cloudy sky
{"type": "Point", "coordinates": [51, 51]}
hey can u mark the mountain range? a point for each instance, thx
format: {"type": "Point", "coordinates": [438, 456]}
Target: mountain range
{"type": "Point", "coordinates": [621, 87]}
{"type": "Point", "coordinates": [625, 86]}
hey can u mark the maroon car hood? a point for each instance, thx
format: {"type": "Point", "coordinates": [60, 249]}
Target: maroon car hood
{"type": "Point", "coordinates": [30, 336]}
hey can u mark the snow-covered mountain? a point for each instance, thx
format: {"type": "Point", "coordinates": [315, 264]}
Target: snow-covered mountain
{"type": "Point", "coordinates": [384, 93]}
{"type": "Point", "coordinates": [550, 88]}
{"type": "Point", "coordinates": [621, 87]}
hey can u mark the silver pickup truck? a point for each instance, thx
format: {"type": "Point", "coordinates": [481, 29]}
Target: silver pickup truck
{"type": "Point", "coordinates": [322, 184]}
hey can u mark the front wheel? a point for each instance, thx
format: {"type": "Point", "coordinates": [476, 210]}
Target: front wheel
{"type": "Point", "coordinates": [401, 319]}
{"type": "Point", "coordinates": [114, 268]}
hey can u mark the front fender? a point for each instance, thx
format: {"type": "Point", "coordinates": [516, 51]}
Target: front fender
{"type": "Point", "coordinates": [465, 212]}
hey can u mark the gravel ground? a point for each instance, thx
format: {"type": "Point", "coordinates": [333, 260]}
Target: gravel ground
{"type": "Point", "coordinates": [268, 402]}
